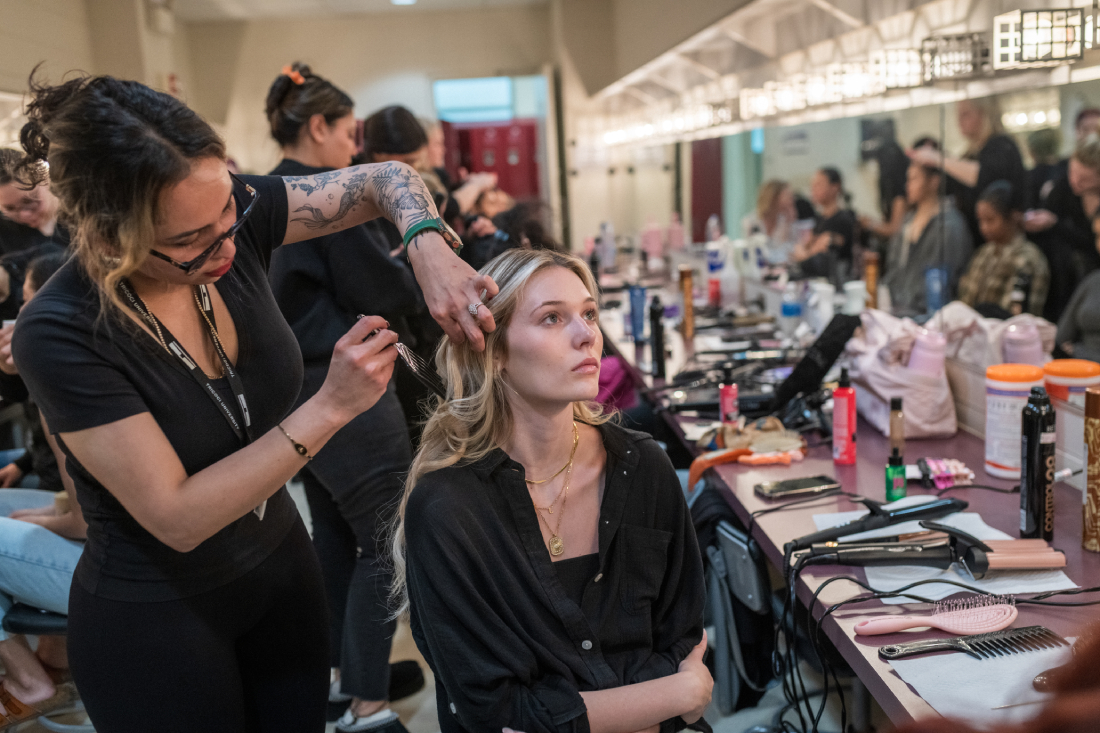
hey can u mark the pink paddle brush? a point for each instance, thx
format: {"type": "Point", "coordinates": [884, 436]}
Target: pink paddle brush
{"type": "Point", "coordinates": [974, 615]}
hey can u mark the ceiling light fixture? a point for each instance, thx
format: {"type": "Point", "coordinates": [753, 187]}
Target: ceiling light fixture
{"type": "Point", "coordinates": [403, 2]}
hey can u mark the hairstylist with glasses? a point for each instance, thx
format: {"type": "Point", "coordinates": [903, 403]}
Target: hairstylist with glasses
{"type": "Point", "coordinates": [170, 380]}
{"type": "Point", "coordinates": [320, 286]}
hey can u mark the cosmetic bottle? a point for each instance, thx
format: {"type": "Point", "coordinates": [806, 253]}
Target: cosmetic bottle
{"type": "Point", "coordinates": [1037, 467]}
{"type": "Point", "coordinates": [1090, 534]}
{"type": "Point", "coordinates": [895, 477]}
{"type": "Point", "coordinates": [897, 426]}
{"type": "Point", "coordinates": [844, 421]}
{"type": "Point", "coordinates": [657, 337]}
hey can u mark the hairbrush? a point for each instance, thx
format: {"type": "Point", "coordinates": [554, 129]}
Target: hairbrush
{"type": "Point", "coordinates": [973, 615]}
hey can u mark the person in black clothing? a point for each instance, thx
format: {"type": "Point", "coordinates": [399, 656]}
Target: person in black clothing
{"type": "Point", "coordinates": [1062, 229]}
{"type": "Point", "coordinates": [159, 358]}
{"type": "Point", "coordinates": [990, 156]}
{"type": "Point", "coordinates": [1044, 146]}
{"type": "Point", "coordinates": [893, 166]}
{"type": "Point", "coordinates": [320, 286]}
{"type": "Point", "coordinates": [828, 253]}
{"type": "Point", "coordinates": [545, 555]}
{"type": "Point", "coordinates": [28, 217]}
{"type": "Point", "coordinates": [38, 462]}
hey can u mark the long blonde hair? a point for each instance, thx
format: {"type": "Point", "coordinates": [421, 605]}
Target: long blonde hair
{"type": "Point", "coordinates": [475, 417]}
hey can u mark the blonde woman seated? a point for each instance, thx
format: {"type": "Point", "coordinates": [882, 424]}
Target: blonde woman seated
{"type": "Point", "coordinates": [554, 582]}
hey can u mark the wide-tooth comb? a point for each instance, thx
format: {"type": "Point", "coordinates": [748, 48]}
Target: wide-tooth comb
{"type": "Point", "coordinates": [974, 615]}
{"type": "Point", "coordinates": [421, 369]}
{"type": "Point", "coordinates": [981, 646]}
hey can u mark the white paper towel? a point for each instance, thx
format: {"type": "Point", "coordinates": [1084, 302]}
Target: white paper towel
{"type": "Point", "coordinates": [960, 686]}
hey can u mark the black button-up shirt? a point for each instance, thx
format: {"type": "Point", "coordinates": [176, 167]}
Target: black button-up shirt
{"type": "Point", "coordinates": [507, 645]}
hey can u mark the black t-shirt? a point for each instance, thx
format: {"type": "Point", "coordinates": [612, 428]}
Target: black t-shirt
{"type": "Point", "coordinates": [84, 373]}
{"type": "Point", "coordinates": [323, 283]}
{"type": "Point", "coordinates": [998, 160]}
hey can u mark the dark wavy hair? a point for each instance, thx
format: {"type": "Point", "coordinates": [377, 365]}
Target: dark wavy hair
{"type": "Point", "coordinates": [291, 104]}
{"type": "Point", "coordinates": [392, 130]}
{"type": "Point", "coordinates": [108, 149]}
{"type": "Point", "coordinates": [1001, 196]}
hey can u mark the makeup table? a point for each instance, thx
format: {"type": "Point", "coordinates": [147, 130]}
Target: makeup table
{"type": "Point", "coordinates": [866, 478]}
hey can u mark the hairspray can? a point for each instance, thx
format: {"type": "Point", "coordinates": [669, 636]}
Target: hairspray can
{"type": "Point", "coordinates": [728, 409]}
{"type": "Point", "coordinates": [844, 421]}
{"type": "Point", "coordinates": [657, 337]}
{"type": "Point", "coordinates": [1090, 535]}
{"type": "Point", "coordinates": [687, 288]}
{"type": "Point", "coordinates": [1037, 468]}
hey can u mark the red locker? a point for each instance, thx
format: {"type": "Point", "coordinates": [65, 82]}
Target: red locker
{"type": "Point", "coordinates": [509, 149]}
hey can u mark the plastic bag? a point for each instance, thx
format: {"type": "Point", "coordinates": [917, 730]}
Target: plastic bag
{"type": "Point", "coordinates": [878, 354]}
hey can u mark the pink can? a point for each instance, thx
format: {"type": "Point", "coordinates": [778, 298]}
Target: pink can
{"type": "Point", "coordinates": [727, 403]}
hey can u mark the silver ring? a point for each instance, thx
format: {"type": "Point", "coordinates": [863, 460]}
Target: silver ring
{"type": "Point", "coordinates": [472, 307]}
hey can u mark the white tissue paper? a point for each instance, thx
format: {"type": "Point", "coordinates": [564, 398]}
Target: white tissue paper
{"type": "Point", "coordinates": [959, 686]}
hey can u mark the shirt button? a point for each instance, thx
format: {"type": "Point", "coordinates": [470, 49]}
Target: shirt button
{"type": "Point", "coordinates": [598, 578]}
{"type": "Point", "coordinates": [624, 473]}
{"type": "Point", "coordinates": [454, 710]}
{"type": "Point", "coordinates": [586, 645]}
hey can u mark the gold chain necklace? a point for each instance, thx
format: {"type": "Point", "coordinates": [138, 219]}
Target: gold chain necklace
{"type": "Point", "coordinates": [556, 545]}
{"type": "Point", "coordinates": [573, 452]}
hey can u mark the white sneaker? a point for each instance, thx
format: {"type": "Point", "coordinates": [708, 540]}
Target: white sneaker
{"type": "Point", "coordinates": [334, 694]}
{"type": "Point", "coordinates": [349, 723]}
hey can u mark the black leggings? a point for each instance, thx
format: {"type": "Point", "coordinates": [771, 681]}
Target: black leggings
{"type": "Point", "coordinates": [248, 656]}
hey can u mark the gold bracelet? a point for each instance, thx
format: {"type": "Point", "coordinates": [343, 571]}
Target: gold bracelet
{"type": "Point", "coordinates": [301, 449]}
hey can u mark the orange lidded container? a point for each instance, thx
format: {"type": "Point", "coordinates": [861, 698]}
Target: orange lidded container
{"type": "Point", "coordinates": [1007, 387]}
{"type": "Point", "coordinates": [1067, 379]}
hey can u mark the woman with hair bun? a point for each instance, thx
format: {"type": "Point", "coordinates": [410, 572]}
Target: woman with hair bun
{"type": "Point", "coordinates": [546, 555]}
{"type": "Point", "coordinates": [321, 285]}
{"type": "Point", "coordinates": [160, 360]}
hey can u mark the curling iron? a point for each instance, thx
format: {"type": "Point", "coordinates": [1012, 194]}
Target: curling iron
{"type": "Point", "coordinates": [975, 556]}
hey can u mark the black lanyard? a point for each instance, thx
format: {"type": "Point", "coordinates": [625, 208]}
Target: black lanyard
{"type": "Point", "coordinates": [242, 428]}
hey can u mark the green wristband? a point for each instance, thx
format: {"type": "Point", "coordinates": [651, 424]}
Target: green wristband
{"type": "Point", "coordinates": [420, 226]}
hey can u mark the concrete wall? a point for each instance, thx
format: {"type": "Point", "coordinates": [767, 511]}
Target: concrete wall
{"type": "Point", "coordinates": [378, 59]}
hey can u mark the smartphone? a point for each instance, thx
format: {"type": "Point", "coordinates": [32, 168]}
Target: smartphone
{"type": "Point", "coordinates": [796, 487]}
{"type": "Point", "coordinates": [9, 323]}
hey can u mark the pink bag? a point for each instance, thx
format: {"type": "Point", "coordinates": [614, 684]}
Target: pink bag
{"type": "Point", "coordinates": [616, 384]}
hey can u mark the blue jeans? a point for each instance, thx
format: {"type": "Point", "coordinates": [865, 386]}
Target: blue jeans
{"type": "Point", "coordinates": [36, 565]}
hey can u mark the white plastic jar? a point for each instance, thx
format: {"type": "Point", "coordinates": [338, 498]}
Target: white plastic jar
{"type": "Point", "coordinates": [1007, 387]}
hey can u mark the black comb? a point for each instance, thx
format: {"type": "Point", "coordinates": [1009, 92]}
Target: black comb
{"type": "Point", "coordinates": [981, 646]}
{"type": "Point", "coordinates": [419, 368]}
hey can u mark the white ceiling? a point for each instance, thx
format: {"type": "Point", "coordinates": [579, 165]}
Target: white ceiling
{"type": "Point", "coordinates": [225, 9]}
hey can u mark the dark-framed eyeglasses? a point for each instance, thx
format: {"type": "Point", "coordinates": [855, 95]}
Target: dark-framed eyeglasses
{"type": "Point", "coordinates": [192, 266]}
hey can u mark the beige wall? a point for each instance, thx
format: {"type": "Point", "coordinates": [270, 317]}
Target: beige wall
{"type": "Point", "coordinates": [55, 31]}
{"type": "Point", "coordinates": [378, 59]}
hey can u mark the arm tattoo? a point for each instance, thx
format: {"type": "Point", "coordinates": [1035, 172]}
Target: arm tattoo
{"type": "Point", "coordinates": [402, 195]}
{"type": "Point", "coordinates": [354, 187]}
{"type": "Point", "coordinates": [309, 184]}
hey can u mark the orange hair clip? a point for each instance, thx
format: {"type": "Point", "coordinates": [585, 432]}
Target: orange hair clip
{"type": "Point", "coordinates": [295, 76]}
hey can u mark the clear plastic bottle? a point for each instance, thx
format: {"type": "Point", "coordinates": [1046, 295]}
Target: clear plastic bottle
{"type": "Point", "coordinates": [897, 426]}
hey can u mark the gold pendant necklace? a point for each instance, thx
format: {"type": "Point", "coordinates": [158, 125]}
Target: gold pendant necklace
{"type": "Point", "coordinates": [556, 545]}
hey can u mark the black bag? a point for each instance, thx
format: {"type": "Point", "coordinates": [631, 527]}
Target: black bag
{"type": "Point", "coordinates": [738, 603]}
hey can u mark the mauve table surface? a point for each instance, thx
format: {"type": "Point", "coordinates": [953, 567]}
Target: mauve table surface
{"type": "Point", "coordinates": [867, 478]}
